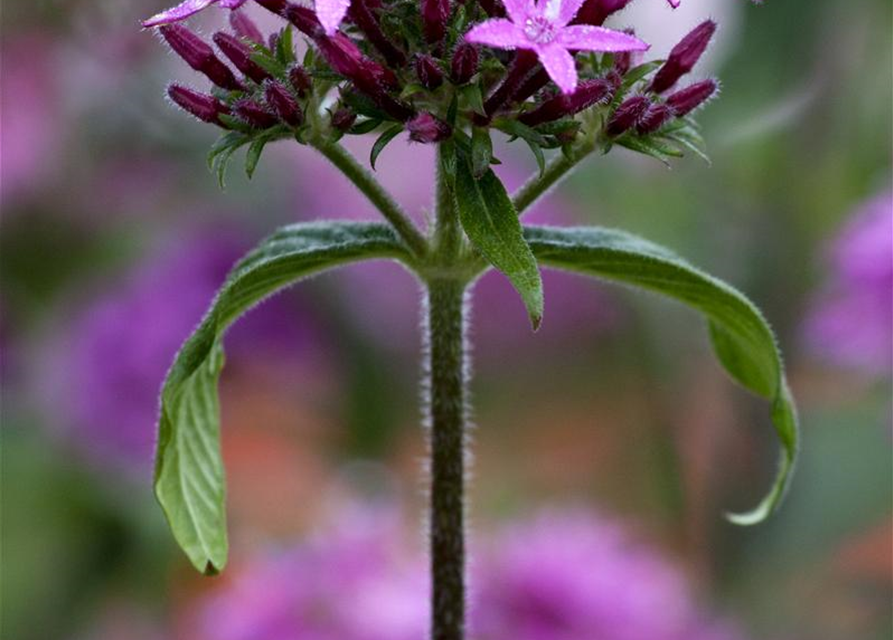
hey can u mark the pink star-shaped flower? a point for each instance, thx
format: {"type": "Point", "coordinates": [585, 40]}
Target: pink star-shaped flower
{"type": "Point", "coordinates": [188, 8]}
{"type": "Point", "coordinates": [544, 28]}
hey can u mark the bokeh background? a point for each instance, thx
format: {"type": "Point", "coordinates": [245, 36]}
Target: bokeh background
{"type": "Point", "coordinates": [608, 445]}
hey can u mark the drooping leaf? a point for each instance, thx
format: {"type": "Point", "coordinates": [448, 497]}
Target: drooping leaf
{"type": "Point", "coordinates": [741, 337]}
{"type": "Point", "coordinates": [383, 140]}
{"type": "Point", "coordinates": [481, 151]}
{"type": "Point", "coordinates": [189, 475]}
{"type": "Point", "coordinates": [254, 153]}
{"type": "Point", "coordinates": [491, 223]}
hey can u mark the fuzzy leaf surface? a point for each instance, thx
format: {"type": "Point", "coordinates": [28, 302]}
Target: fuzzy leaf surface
{"type": "Point", "coordinates": [742, 339]}
{"type": "Point", "coordinates": [189, 475]}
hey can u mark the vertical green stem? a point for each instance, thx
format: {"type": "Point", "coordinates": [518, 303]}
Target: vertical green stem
{"type": "Point", "coordinates": [447, 422]}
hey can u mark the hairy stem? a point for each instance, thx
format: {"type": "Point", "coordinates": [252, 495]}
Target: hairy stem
{"type": "Point", "coordinates": [384, 202]}
{"type": "Point", "coordinates": [556, 170]}
{"type": "Point", "coordinates": [447, 421]}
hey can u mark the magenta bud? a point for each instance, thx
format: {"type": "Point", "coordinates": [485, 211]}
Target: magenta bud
{"type": "Point", "coordinates": [435, 14]}
{"type": "Point", "coordinates": [276, 6]}
{"type": "Point", "coordinates": [283, 103]}
{"type": "Point", "coordinates": [627, 115]}
{"type": "Point", "coordinates": [199, 55]}
{"type": "Point", "coordinates": [302, 18]}
{"type": "Point", "coordinates": [595, 12]}
{"type": "Point", "coordinates": [654, 118]}
{"type": "Point", "coordinates": [363, 16]}
{"type": "Point", "coordinates": [427, 129]}
{"type": "Point", "coordinates": [255, 114]}
{"type": "Point", "coordinates": [204, 107]}
{"type": "Point", "coordinates": [493, 8]}
{"type": "Point", "coordinates": [300, 80]}
{"type": "Point", "coordinates": [240, 54]}
{"type": "Point", "coordinates": [343, 119]}
{"type": "Point", "coordinates": [464, 64]}
{"type": "Point", "coordinates": [588, 93]}
{"type": "Point", "coordinates": [691, 97]}
{"type": "Point", "coordinates": [244, 27]}
{"type": "Point", "coordinates": [428, 72]}
{"type": "Point", "coordinates": [683, 56]}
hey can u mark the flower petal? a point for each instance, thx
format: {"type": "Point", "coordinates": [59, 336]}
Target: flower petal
{"type": "Point", "coordinates": [232, 4]}
{"type": "Point", "coordinates": [331, 13]}
{"type": "Point", "coordinates": [560, 66]}
{"type": "Point", "coordinates": [499, 33]}
{"type": "Point", "coordinates": [180, 12]}
{"type": "Point", "coordinates": [589, 38]}
{"type": "Point", "coordinates": [569, 9]}
{"type": "Point", "coordinates": [518, 10]}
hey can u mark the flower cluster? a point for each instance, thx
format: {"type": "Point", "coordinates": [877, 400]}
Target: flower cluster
{"type": "Point", "coordinates": [543, 71]}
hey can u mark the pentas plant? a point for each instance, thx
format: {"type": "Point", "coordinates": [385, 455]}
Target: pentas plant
{"type": "Point", "coordinates": [452, 74]}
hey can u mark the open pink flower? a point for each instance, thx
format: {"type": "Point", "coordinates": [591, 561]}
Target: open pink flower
{"type": "Point", "coordinates": [188, 8]}
{"type": "Point", "coordinates": [544, 27]}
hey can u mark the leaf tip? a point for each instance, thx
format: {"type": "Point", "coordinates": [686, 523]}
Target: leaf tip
{"type": "Point", "coordinates": [536, 320]}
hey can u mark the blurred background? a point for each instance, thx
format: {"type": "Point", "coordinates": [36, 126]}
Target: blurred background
{"type": "Point", "coordinates": [608, 445]}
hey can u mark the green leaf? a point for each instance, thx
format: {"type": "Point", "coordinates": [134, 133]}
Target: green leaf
{"type": "Point", "coordinates": [189, 475]}
{"type": "Point", "coordinates": [383, 140]}
{"type": "Point", "coordinates": [741, 337]}
{"type": "Point", "coordinates": [474, 99]}
{"type": "Point", "coordinates": [491, 223]}
{"type": "Point", "coordinates": [534, 139]}
{"type": "Point", "coordinates": [285, 48]}
{"type": "Point", "coordinates": [481, 151]}
{"type": "Point", "coordinates": [253, 157]}
{"type": "Point", "coordinates": [364, 127]}
{"type": "Point", "coordinates": [637, 73]}
{"type": "Point", "coordinates": [269, 64]}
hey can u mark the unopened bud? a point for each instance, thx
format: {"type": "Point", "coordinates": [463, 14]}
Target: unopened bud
{"type": "Point", "coordinates": [493, 8]}
{"type": "Point", "coordinates": [244, 27]}
{"type": "Point", "coordinates": [199, 55]}
{"type": "Point", "coordinates": [464, 64]}
{"type": "Point", "coordinates": [428, 72]}
{"type": "Point", "coordinates": [255, 114]}
{"type": "Point", "coordinates": [588, 93]}
{"type": "Point", "coordinates": [302, 17]}
{"type": "Point", "coordinates": [654, 118]}
{"type": "Point", "coordinates": [596, 11]}
{"type": "Point", "coordinates": [343, 119]}
{"type": "Point", "coordinates": [691, 97]}
{"type": "Point", "coordinates": [427, 129]}
{"type": "Point", "coordinates": [276, 6]}
{"type": "Point", "coordinates": [435, 14]}
{"type": "Point", "coordinates": [283, 103]}
{"type": "Point", "coordinates": [627, 115]}
{"type": "Point", "coordinates": [300, 80]}
{"type": "Point", "coordinates": [204, 107]}
{"type": "Point", "coordinates": [683, 56]}
{"type": "Point", "coordinates": [240, 54]}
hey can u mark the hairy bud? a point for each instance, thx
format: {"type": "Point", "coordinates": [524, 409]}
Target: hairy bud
{"type": "Point", "coordinates": [240, 54]}
{"type": "Point", "coordinates": [283, 103]}
{"type": "Point", "coordinates": [276, 6]}
{"type": "Point", "coordinates": [199, 55]}
{"type": "Point", "coordinates": [588, 93]}
{"type": "Point", "coordinates": [343, 119]}
{"type": "Point", "coordinates": [435, 14]}
{"type": "Point", "coordinates": [683, 56]}
{"type": "Point", "coordinates": [596, 11]}
{"type": "Point", "coordinates": [627, 115]}
{"type": "Point", "coordinates": [255, 114]}
{"type": "Point", "coordinates": [204, 107]}
{"type": "Point", "coordinates": [300, 80]}
{"type": "Point", "coordinates": [691, 97]}
{"type": "Point", "coordinates": [465, 63]}
{"type": "Point", "coordinates": [654, 118]}
{"type": "Point", "coordinates": [428, 72]}
{"type": "Point", "coordinates": [244, 27]}
{"type": "Point", "coordinates": [428, 129]}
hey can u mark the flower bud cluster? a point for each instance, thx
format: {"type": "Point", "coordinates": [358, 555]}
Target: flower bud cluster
{"type": "Point", "coordinates": [435, 71]}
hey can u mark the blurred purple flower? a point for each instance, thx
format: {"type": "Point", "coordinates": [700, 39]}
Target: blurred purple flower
{"type": "Point", "coordinates": [107, 369]}
{"type": "Point", "coordinates": [564, 575]}
{"type": "Point", "coordinates": [851, 323]}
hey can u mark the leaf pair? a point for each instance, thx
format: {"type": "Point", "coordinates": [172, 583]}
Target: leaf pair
{"type": "Point", "coordinates": [189, 475]}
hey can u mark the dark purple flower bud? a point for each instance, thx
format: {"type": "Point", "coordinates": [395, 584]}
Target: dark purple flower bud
{"type": "Point", "coordinates": [240, 54]}
{"type": "Point", "coordinates": [204, 107]}
{"type": "Point", "coordinates": [367, 21]}
{"type": "Point", "coordinates": [627, 115]}
{"type": "Point", "coordinates": [300, 80]}
{"type": "Point", "coordinates": [588, 93]}
{"type": "Point", "coordinates": [465, 63]}
{"type": "Point", "coordinates": [691, 97]}
{"type": "Point", "coordinates": [427, 129]}
{"type": "Point", "coordinates": [683, 56]}
{"type": "Point", "coordinates": [244, 27]}
{"type": "Point", "coordinates": [595, 12]}
{"type": "Point", "coordinates": [283, 103]}
{"type": "Point", "coordinates": [302, 17]}
{"type": "Point", "coordinates": [654, 118]}
{"type": "Point", "coordinates": [428, 72]}
{"type": "Point", "coordinates": [343, 119]}
{"type": "Point", "coordinates": [494, 8]}
{"type": "Point", "coordinates": [199, 55]}
{"type": "Point", "coordinates": [255, 114]}
{"type": "Point", "coordinates": [614, 79]}
{"type": "Point", "coordinates": [276, 6]}
{"type": "Point", "coordinates": [435, 14]}
{"type": "Point", "coordinates": [273, 41]}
